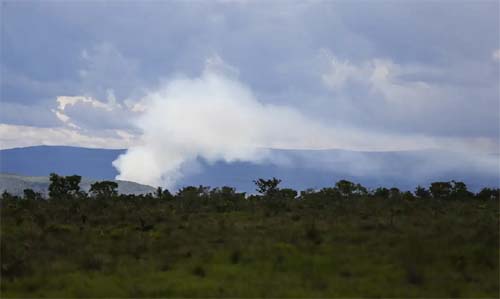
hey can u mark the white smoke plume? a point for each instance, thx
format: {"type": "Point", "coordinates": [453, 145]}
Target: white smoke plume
{"type": "Point", "coordinates": [217, 118]}
{"type": "Point", "coordinates": [213, 117]}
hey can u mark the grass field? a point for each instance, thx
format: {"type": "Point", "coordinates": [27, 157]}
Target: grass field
{"type": "Point", "coordinates": [257, 247]}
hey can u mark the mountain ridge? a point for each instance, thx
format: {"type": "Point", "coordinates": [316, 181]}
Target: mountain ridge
{"type": "Point", "coordinates": [298, 169]}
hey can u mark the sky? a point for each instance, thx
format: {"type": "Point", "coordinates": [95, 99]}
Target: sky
{"type": "Point", "coordinates": [224, 80]}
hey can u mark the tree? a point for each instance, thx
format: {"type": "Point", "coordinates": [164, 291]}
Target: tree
{"type": "Point", "coordinates": [346, 188]}
{"type": "Point", "coordinates": [407, 195]}
{"type": "Point", "coordinates": [167, 195]}
{"type": "Point", "coordinates": [287, 193]}
{"type": "Point", "coordinates": [421, 192]}
{"type": "Point", "coordinates": [488, 193]}
{"type": "Point", "coordinates": [459, 190]}
{"type": "Point", "coordinates": [159, 193]}
{"type": "Point", "coordinates": [394, 193]}
{"type": "Point", "coordinates": [63, 187]}
{"type": "Point", "coordinates": [360, 190]}
{"type": "Point", "coordinates": [191, 192]}
{"type": "Point", "coordinates": [57, 186]}
{"type": "Point", "coordinates": [31, 195]}
{"type": "Point", "coordinates": [267, 187]}
{"type": "Point", "coordinates": [73, 183]}
{"type": "Point", "coordinates": [225, 198]}
{"type": "Point", "coordinates": [440, 189]}
{"type": "Point", "coordinates": [104, 189]}
{"type": "Point", "coordinates": [381, 192]}
{"type": "Point", "coordinates": [226, 193]}
{"type": "Point", "coordinates": [6, 195]}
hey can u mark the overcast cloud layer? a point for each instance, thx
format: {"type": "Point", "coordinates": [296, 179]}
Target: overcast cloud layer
{"type": "Point", "coordinates": [354, 75]}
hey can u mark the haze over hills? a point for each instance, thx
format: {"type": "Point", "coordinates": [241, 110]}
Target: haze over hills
{"type": "Point", "coordinates": [299, 169]}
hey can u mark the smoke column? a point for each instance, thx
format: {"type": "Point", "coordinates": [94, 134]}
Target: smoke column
{"type": "Point", "coordinates": [214, 117]}
{"type": "Point", "coordinates": [217, 118]}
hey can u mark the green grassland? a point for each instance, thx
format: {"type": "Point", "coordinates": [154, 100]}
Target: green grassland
{"type": "Point", "coordinates": [209, 245]}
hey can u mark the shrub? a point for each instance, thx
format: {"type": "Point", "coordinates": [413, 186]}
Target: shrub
{"type": "Point", "coordinates": [199, 271]}
{"type": "Point", "coordinates": [235, 256]}
{"type": "Point", "coordinates": [314, 235]}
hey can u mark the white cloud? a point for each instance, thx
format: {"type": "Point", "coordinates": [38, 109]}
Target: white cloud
{"type": "Point", "coordinates": [64, 101]}
{"type": "Point", "coordinates": [83, 123]}
{"type": "Point", "coordinates": [341, 72]}
{"type": "Point", "coordinates": [21, 136]}
{"type": "Point", "coordinates": [411, 98]}
{"type": "Point", "coordinates": [385, 79]}
{"type": "Point", "coordinates": [68, 101]}
{"type": "Point", "coordinates": [92, 114]}
{"type": "Point", "coordinates": [64, 118]}
{"type": "Point", "coordinates": [381, 76]}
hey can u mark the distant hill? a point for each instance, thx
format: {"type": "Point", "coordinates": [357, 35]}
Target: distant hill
{"type": "Point", "coordinates": [299, 169]}
{"type": "Point", "coordinates": [64, 160]}
{"type": "Point", "coordinates": [15, 184]}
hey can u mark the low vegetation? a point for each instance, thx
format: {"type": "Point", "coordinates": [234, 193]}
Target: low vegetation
{"type": "Point", "coordinates": [343, 241]}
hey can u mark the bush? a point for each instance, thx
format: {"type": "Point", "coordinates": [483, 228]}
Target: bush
{"type": "Point", "coordinates": [199, 271]}
{"type": "Point", "coordinates": [314, 235]}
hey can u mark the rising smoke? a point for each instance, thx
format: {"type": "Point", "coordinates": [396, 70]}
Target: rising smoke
{"type": "Point", "coordinates": [213, 117]}
{"type": "Point", "coordinates": [217, 118]}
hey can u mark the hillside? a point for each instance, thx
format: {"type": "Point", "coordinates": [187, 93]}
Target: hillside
{"type": "Point", "coordinates": [15, 184]}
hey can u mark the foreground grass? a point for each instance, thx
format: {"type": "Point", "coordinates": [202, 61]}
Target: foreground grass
{"type": "Point", "coordinates": [361, 247]}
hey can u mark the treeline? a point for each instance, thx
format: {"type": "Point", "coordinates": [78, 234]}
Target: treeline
{"type": "Point", "coordinates": [65, 187]}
